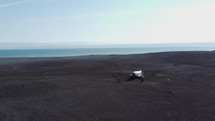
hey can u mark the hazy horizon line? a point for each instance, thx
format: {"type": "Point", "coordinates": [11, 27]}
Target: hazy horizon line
{"type": "Point", "coordinates": [30, 45]}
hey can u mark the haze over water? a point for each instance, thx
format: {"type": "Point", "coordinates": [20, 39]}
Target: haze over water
{"type": "Point", "coordinates": [95, 51]}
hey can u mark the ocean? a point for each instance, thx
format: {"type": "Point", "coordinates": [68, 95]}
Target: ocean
{"type": "Point", "coordinates": [94, 51]}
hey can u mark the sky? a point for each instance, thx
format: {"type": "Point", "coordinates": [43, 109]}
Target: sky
{"type": "Point", "coordinates": [99, 22]}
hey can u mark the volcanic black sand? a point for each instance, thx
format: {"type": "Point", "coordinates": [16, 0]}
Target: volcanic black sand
{"type": "Point", "coordinates": [178, 86]}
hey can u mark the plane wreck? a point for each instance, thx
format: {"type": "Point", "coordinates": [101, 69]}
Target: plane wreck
{"type": "Point", "coordinates": [136, 75]}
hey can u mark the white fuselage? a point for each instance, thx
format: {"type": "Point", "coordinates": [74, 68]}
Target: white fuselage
{"type": "Point", "coordinates": [138, 73]}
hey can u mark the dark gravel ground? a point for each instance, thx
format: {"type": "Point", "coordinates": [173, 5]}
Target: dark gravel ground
{"type": "Point", "coordinates": [178, 86]}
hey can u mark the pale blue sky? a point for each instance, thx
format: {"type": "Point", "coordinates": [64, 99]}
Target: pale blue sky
{"type": "Point", "coordinates": [87, 22]}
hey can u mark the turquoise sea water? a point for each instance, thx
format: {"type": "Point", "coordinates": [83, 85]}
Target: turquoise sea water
{"type": "Point", "coordinates": [94, 51]}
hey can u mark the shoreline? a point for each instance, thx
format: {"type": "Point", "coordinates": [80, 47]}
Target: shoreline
{"type": "Point", "coordinates": [94, 51]}
{"type": "Point", "coordinates": [90, 55]}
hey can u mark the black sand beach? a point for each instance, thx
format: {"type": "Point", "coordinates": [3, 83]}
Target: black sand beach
{"type": "Point", "coordinates": [178, 86]}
